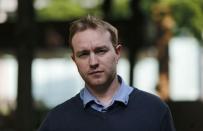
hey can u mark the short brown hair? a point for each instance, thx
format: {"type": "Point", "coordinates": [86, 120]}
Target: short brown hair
{"type": "Point", "coordinates": [91, 22]}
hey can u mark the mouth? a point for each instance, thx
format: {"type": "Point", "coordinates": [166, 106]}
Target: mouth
{"type": "Point", "coordinates": [95, 72]}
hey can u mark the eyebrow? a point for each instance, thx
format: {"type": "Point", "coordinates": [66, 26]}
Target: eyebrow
{"type": "Point", "coordinates": [95, 49]}
{"type": "Point", "coordinates": [101, 47]}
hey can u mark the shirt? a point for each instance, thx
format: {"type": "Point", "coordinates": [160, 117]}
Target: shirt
{"type": "Point", "coordinates": [121, 95]}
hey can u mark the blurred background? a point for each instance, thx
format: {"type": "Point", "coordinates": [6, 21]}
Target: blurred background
{"type": "Point", "coordinates": [162, 54]}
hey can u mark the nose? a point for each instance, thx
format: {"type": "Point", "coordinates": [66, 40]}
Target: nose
{"type": "Point", "coordinates": [93, 61]}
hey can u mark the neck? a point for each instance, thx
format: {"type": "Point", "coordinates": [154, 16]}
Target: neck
{"type": "Point", "coordinates": [105, 97]}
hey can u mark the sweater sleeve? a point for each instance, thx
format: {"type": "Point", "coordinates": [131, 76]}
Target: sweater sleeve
{"type": "Point", "coordinates": [167, 122]}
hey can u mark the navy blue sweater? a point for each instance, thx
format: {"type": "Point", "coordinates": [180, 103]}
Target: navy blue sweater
{"type": "Point", "coordinates": [144, 112]}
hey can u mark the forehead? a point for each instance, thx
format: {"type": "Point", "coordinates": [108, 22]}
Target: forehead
{"type": "Point", "coordinates": [91, 38]}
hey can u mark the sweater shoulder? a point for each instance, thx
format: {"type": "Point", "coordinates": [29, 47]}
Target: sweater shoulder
{"type": "Point", "coordinates": [67, 106]}
{"type": "Point", "coordinates": [146, 99]}
{"type": "Point", "coordinates": [61, 113]}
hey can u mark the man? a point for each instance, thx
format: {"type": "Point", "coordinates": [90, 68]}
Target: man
{"type": "Point", "coordinates": [106, 103]}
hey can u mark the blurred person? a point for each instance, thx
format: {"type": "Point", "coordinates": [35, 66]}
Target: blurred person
{"type": "Point", "coordinates": [106, 103]}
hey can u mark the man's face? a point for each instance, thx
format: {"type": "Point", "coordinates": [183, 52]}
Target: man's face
{"type": "Point", "coordinates": [95, 57]}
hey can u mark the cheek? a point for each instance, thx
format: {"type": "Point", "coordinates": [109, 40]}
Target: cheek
{"type": "Point", "coordinates": [81, 66]}
{"type": "Point", "coordinates": [111, 61]}
{"type": "Point", "coordinates": [114, 58]}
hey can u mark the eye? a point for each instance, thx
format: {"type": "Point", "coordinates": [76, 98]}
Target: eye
{"type": "Point", "coordinates": [82, 54]}
{"type": "Point", "coordinates": [101, 51]}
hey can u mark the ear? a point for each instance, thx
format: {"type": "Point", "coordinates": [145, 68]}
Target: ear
{"type": "Point", "coordinates": [118, 49]}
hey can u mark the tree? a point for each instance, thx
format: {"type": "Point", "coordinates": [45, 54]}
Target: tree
{"type": "Point", "coordinates": [170, 17]}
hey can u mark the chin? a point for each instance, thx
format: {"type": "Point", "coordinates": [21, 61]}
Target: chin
{"type": "Point", "coordinates": [98, 88]}
{"type": "Point", "coordinates": [96, 83]}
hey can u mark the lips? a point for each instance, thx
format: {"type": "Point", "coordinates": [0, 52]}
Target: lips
{"type": "Point", "coordinates": [94, 72]}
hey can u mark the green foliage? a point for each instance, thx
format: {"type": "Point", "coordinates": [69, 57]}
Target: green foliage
{"type": "Point", "coordinates": [188, 14]}
{"type": "Point", "coordinates": [59, 10]}
{"type": "Point", "coordinates": [146, 6]}
{"type": "Point", "coordinates": [121, 9]}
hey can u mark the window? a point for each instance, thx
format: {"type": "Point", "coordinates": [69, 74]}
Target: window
{"type": "Point", "coordinates": [55, 80]}
{"type": "Point", "coordinates": [146, 74]}
{"type": "Point", "coordinates": [184, 69]}
{"type": "Point", "coordinates": [8, 83]}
